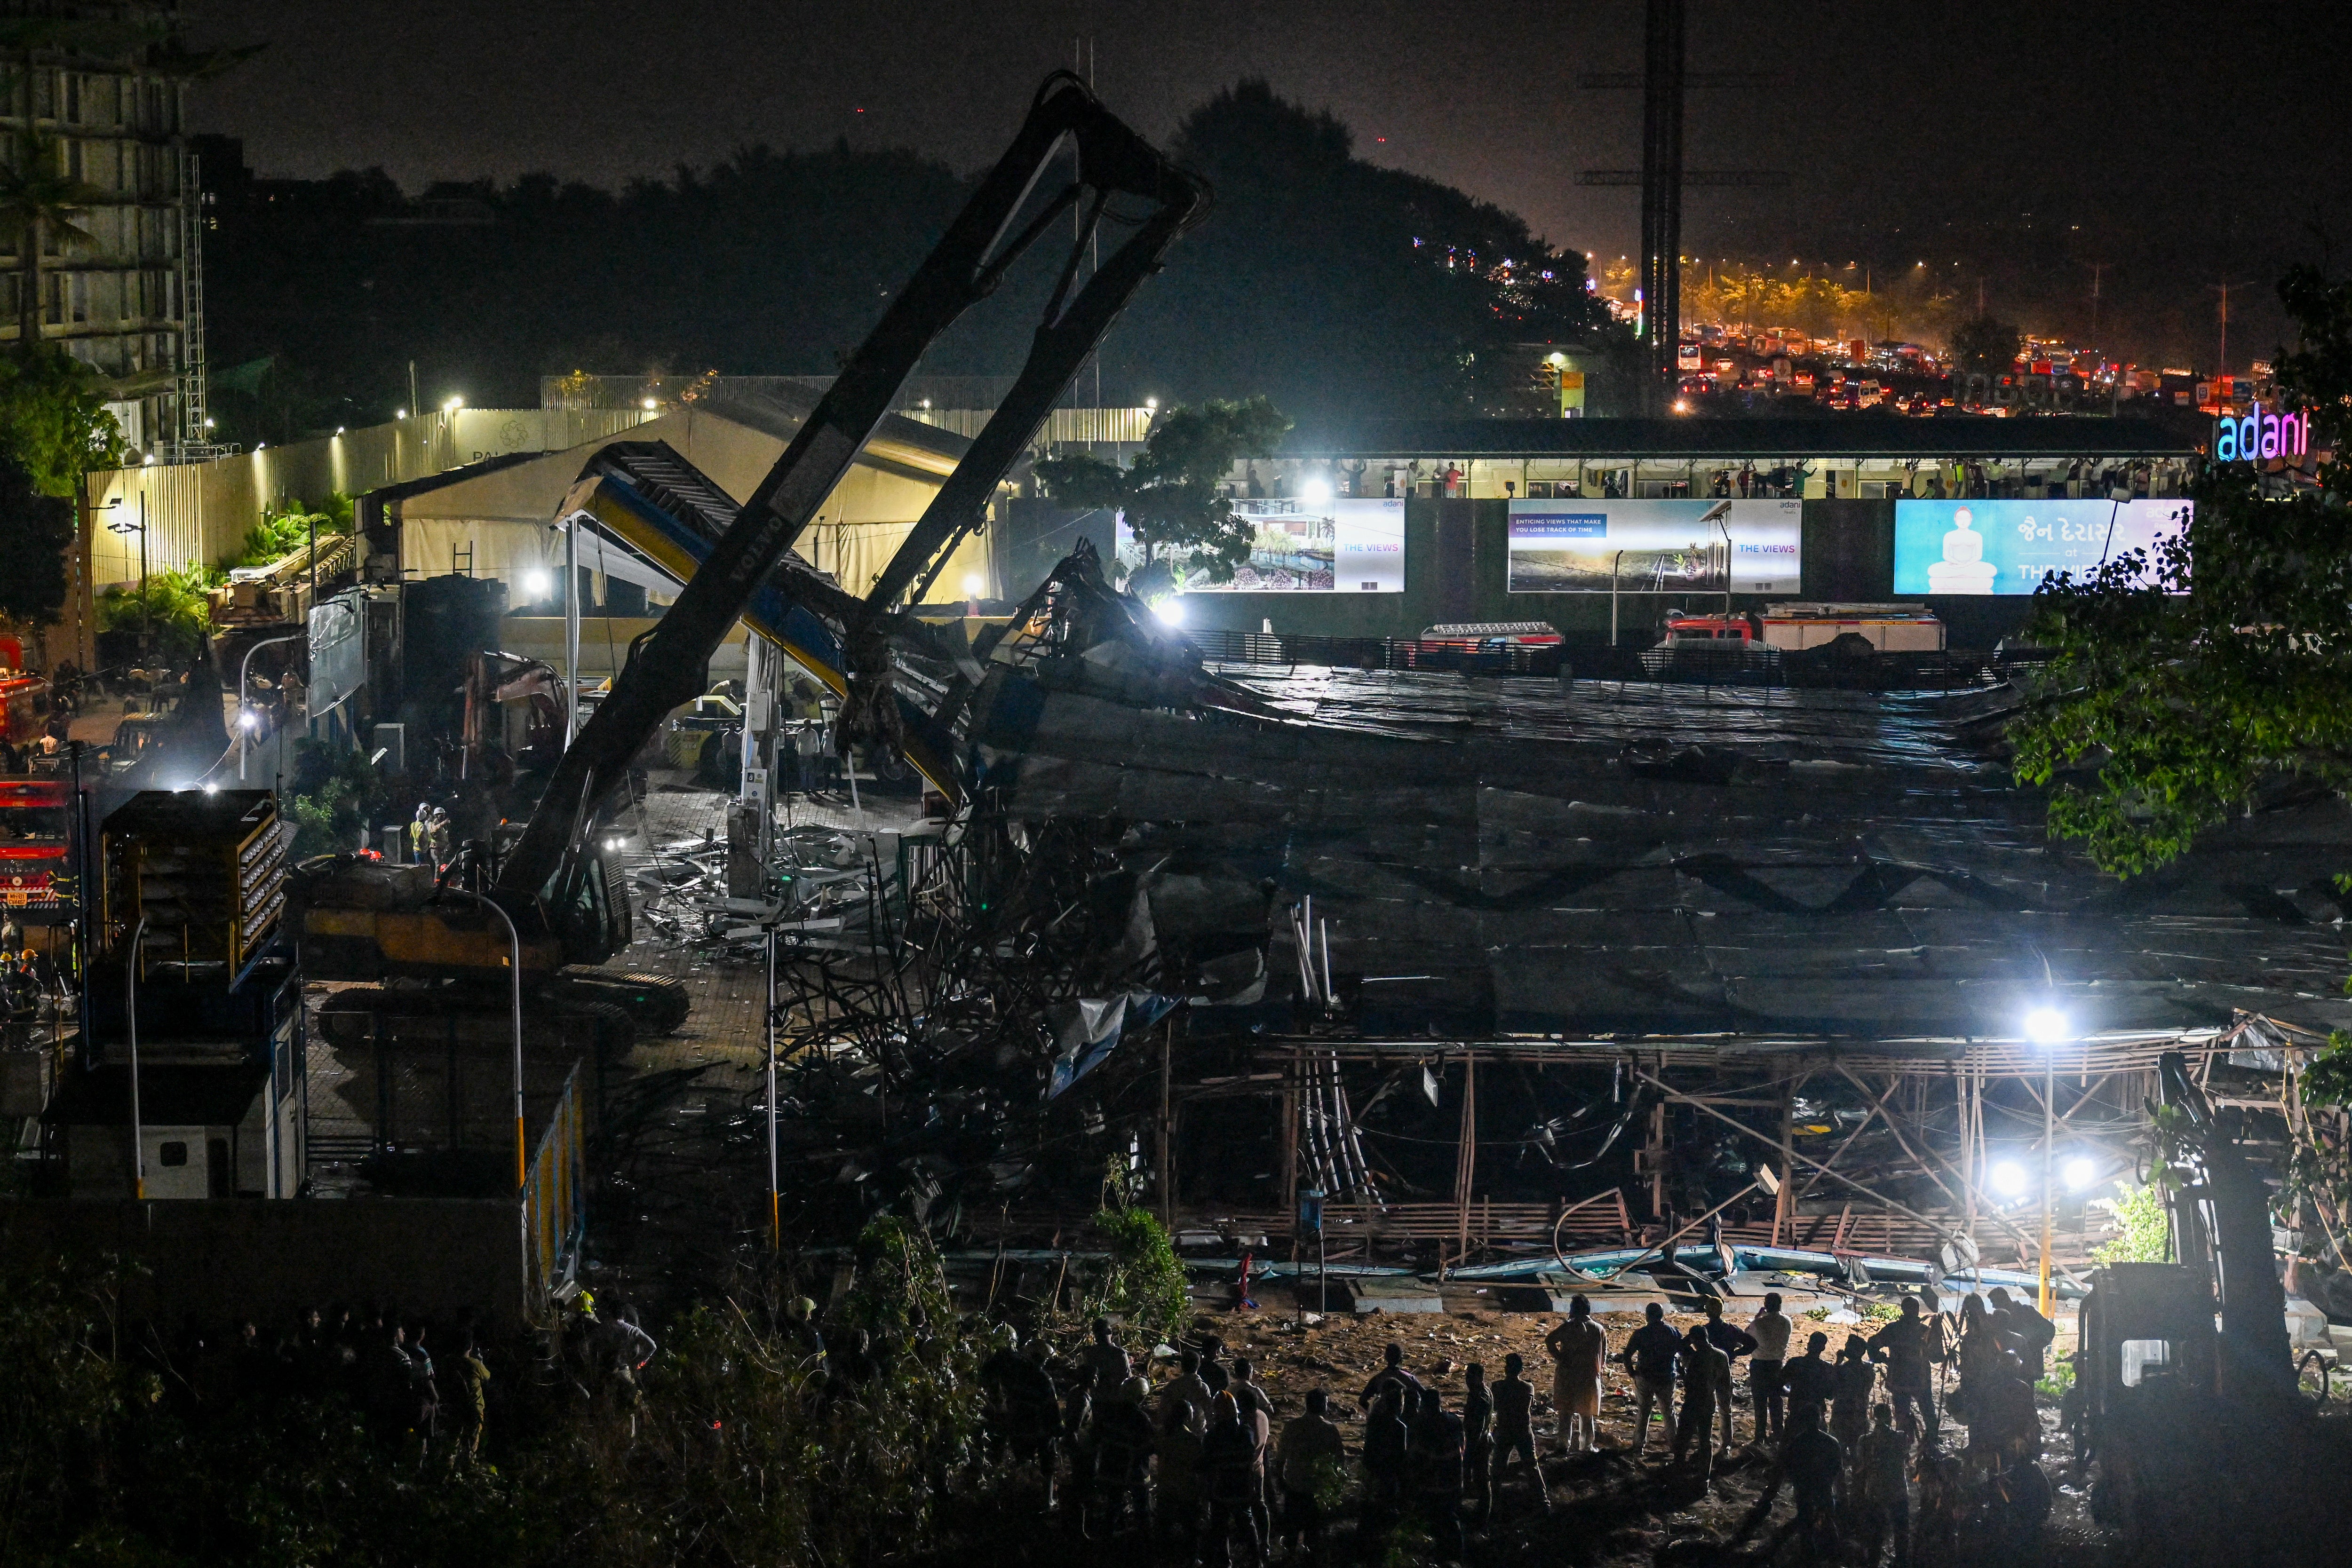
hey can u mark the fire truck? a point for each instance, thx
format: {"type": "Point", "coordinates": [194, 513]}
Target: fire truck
{"type": "Point", "coordinates": [24, 698]}
{"type": "Point", "coordinates": [36, 882]}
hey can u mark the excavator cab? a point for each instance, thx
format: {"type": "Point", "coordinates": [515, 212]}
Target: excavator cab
{"type": "Point", "coordinates": [593, 915]}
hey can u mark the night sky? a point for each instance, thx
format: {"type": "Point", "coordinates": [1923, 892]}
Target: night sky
{"type": "Point", "coordinates": [2010, 144]}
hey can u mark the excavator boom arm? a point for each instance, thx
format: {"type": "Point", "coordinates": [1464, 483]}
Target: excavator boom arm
{"type": "Point", "coordinates": [964, 267]}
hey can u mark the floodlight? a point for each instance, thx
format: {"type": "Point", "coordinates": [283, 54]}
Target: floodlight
{"type": "Point", "coordinates": [2080, 1172]}
{"type": "Point", "coordinates": [537, 583]}
{"type": "Point", "coordinates": [454, 402]}
{"type": "Point", "coordinates": [2007, 1178]}
{"type": "Point", "coordinates": [1152, 403]}
{"type": "Point", "coordinates": [211, 788]}
{"type": "Point", "coordinates": [1316, 492]}
{"type": "Point", "coordinates": [1170, 610]}
{"type": "Point", "coordinates": [248, 719]}
{"type": "Point", "coordinates": [651, 404]}
{"type": "Point", "coordinates": [2047, 1025]}
{"type": "Point", "coordinates": [974, 585]}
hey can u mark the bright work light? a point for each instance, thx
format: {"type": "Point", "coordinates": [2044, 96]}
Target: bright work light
{"type": "Point", "coordinates": [2047, 1025]}
{"type": "Point", "coordinates": [2007, 1178]}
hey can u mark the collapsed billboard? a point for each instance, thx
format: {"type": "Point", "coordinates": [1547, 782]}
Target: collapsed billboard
{"type": "Point", "coordinates": [2006, 546]}
{"type": "Point", "coordinates": [1341, 545]}
{"type": "Point", "coordinates": [1643, 547]}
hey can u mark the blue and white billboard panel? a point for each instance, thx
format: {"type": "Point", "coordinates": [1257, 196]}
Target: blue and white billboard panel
{"type": "Point", "coordinates": [1346, 545]}
{"type": "Point", "coordinates": [1648, 547]}
{"type": "Point", "coordinates": [2006, 546]}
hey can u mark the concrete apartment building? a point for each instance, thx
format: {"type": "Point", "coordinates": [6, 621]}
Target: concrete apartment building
{"type": "Point", "coordinates": [109, 82]}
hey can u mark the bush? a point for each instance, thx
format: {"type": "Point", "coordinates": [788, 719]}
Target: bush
{"type": "Point", "coordinates": [174, 609]}
{"type": "Point", "coordinates": [280, 534]}
{"type": "Point", "coordinates": [2143, 1230]}
{"type": "Point", "coordinates": [729, 1446]}
{"type": "Point", "coordinates": [334, 793]}
{"type": "Point", "coordinates": [1144, 1280]}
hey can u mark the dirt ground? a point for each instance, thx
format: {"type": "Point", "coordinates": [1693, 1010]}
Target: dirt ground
{"type": "Point", "coordinates": [1608, 1509]}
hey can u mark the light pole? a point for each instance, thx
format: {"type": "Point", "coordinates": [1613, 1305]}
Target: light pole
{"type": "Point", "coordinates": [131, 1012]}
{"type": "Point", "coordinates": [570, 629]}
{"type": "Point", "coordinates": [146, 615]}
{"type": "Point", "coordinates": [244, 713]}
{"type": "Point", "coordinates": [768, 1011]}
{"type": "Point", "coordinates": [514, 950]}
{"type": "Point", "coordinates": [2048, 1027]}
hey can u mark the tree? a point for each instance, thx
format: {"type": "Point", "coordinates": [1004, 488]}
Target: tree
{"type": "Point", "coordinates": [2175, 697]}
{"type": "Point", "coordinates": [36, 531]}
{"type": "Point", "coordinates": [38, 199]}
{"type": "Point", "coordinates": [1984, 346]}
{"type": "Point", "coordinates": [1338, 286]}
{"type": "Point", "coordinates": [53, 418]}
{"type": "Point", "coordinates": [1170, 494]}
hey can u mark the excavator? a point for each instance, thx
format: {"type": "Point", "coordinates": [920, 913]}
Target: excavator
{"type": "Point", "coordinates": [361, 920]}
{"type": "Point", "coordinates": [2203, 1448]}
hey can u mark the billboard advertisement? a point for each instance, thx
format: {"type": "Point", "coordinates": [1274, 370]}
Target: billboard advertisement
{"type": "Point", "coordinates": [1644, 546]}
{"type": "Point", "coordinates": [1341, 545]}
{"type": "Point", "coordinates": [2005, 546]}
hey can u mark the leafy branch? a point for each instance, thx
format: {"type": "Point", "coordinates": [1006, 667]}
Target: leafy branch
{"type": "Point", "coordinates": [1170, 494]}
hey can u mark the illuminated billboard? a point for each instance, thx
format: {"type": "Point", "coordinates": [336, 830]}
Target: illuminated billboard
{"type": "Point", "coordinates": [1342, 546]}
{"type": "Point", "coordinates": [1646, 546]}
{"type": "Point", "coordinates": [2006, 546]}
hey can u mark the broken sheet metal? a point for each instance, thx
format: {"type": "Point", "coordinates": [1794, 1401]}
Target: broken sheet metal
{"type": "Point", "coordinates": [1089, 1029]}
{"type": "Point", "coordinates": [1672, 860]}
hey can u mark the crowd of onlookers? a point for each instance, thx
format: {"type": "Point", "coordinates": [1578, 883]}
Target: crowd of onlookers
{"type": "Point", "coordinates": [1857, 1436]}
{"type": "Point", "coordinates": [1199, 1462]}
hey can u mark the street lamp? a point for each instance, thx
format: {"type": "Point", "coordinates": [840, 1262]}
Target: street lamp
{"type": "Point", "coordinates": [514, 959]}
{"type": "Point", "coordinates": [131, 1024]}
{"type": "Point", "coordinates": [2048, 1027]}
{"type": "Point", "coordinates": [146, 615]}
{"type": "Point", "coordinates": [245, 720]}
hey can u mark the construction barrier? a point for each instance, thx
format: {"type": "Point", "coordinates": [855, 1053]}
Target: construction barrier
{"type": "Point", "coordinates": [553, 1213]}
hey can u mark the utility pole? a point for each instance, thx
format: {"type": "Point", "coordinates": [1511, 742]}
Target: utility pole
{"type": "Point", "coordinates": [1663, 80]}
{"type": "Point", "coordinates": [2097, 269]}
{"type": "Point", "coordinates": [1662, 194]}
{"type": "Point", "coordinates": [2223, 290]}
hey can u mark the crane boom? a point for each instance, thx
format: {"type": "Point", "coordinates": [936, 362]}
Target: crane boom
{"type": "Point", "coordinates": [964, 268]}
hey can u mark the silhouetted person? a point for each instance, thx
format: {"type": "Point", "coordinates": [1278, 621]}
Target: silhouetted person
{"type": "Point", "coordinates": [1652, 1355]}
{"type": "Point", "coordinates": [1435, 1459]}
{"type": "Point", "coordinates": [1706, 1387]}
{"type": "Point", "coordinates": [1810, 1380]}
{"type": "Point", "coordinates": [1391, 1372]}
{"type": "Point", "coordinates": [1385, 1448]}
{"type": "Point", "coordinates": [1578, 1348]}
{"type": "Point", "coordinates": [1908, 1347]}
{"type": "Point", "coordinates": [1768, 1369]}
{"type": "Point", "coordinates": [1514, 1428]}
{"type": "Point", "coordinates": [1734, 1341]}
{"type": "Point", "coordinates": [1231, 1460]}
{"type": "Point", "coordinates": [1311, 1464]}
{"type": "Point", "coordinates": [1858, 1380]}
{"type": "Point", "coordinates": [1478, 1436]}
{"type": "Point", "coordinates": [1883, 1495]}
{"type": "Point", "coordinates": [1106, 1364]}
{"type": "Point", "coordinates": [1812, 1465]}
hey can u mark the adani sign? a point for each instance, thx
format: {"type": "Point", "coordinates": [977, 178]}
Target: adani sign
{"type": "Point", "coordinates": [2262, 433]}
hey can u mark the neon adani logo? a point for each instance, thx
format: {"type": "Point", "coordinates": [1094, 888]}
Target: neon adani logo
{"type": "Point", "coordinates": [2259, 435]}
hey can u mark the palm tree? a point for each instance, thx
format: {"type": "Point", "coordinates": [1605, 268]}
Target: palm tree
{"type": "Point", "coordinates": [38, 198]}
